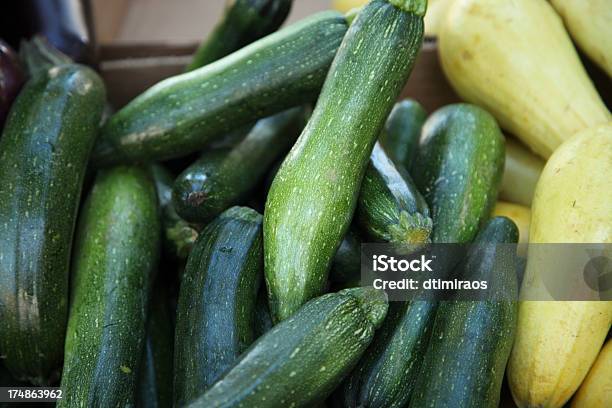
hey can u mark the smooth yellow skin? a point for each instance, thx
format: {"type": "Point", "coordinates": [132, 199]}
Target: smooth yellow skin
{"type": "Point", "coordinates": [596, 389]}
{"type": "Point", "coordinates": [515, 59]}
{"type": "Point", "coordinates": [521, 173]}
{"type": "Point", "coordinates": [590, 24]}
{"type": "Point", "coordinates": [519, 214]}
{"type": "Point", "coordinates": [557, 342]}
{"type": "Point", "coordinates": [344, 6]}
{"type": "Point", "coordinates": [436, 10]}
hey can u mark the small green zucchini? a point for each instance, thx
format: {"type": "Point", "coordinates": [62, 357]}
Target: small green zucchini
{"type": "Point", "coordinates": [302, 359]}
{"type": "Point", "coordinates": [313, 197]}
{"type": "Point", "coordinates": [471, 340]}
{"type": "Point", "coordinates": [225, 177]}
{"type": "Point", "coordinates": [44, 150]}
{"type": "Point", "coordinates": [386, 375]}
{"type": "Point", "coordinates": [156, 368]}
{"type": "Point", "coordinates": [389, 207]}
{"type": "Point", "coordinates": [458, 168]}
{"type": "Point", "coordinates": [178, 236]}
{"type": "Point", "coordinates": [243, 22]}
{"type": "Point", "coordinates": [113, 267]}
{"type": "Point", "coordinates": [182, 114]}
{"type": "Point", "coordinates": [400, 138]}
{"type": "Point", "coordinates": [216, 307]}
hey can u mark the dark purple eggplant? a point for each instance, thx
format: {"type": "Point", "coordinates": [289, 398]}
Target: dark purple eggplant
{"type": "Point", "coordinates": [11, 79]}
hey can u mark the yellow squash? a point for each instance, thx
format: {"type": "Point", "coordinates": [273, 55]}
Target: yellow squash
{"type": "Point", "coordinates": [435, 13]}
{"type": "Point", "coordinates": [590, 24]}
{"type": "Point", "coordinates": [344, 6]}
{"type": "Point", "coordinates": [557, 342]}
{"type": "Point", "coordinates": [521, 173]}
{"type": "Point", "coordinates": [519, 214]}
{"type": "Point", "coordinates": [515, 59]}
{"type": "Point", "coordinates": [596, 390]}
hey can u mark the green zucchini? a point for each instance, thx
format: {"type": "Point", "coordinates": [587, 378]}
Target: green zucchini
{"type": "Point", "coordinates": [313, 197]}
{"type": "Point", "coordinates": [44, 150]}
{"type": "Point", "coordinates": [156, 367]}
{"type": "Point", "coordinates": [216, 308]}
{"type": "Point", "coordinates": [263, 320]}
{"type": "Point", "coordinates": [400, 139]}
{"type": "Point", "coordinates": [386, 375]}
{"type": "Point", "coordinates": [458, 168]}
{"type": "Point", "coordinates": [113, 266]}
{"type": "Point", "coordinates": [178, 236]}
{"type": "Point", "coordinates": [225, 177]}
{"type": "Point", "coordinates": [243, 22]}
{"type": "Point", "coordinates": [346, 265]}
{"type": "Point", "coordinates": [471, 340]}
{"type": "Point", "coordinates": [389, 207]}
{"type": "Point", "coordinates": [182, 114]}
{"type": "Point", "coordinates": [302, 359]}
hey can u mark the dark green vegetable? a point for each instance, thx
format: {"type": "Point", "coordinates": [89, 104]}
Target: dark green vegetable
{"type": "Point", "coordinates": [458, 169]}
{"type": "Point", "coordinates": [216, 308]}
{"type": "Point", "coordinates": [346, 265]}
{"type": "Point", "coordinates": [386, 375]}
{"type": "Point", "coordinates": [44, 150]}
{"type": "Point", "coordinates": [302, 359]}
{"type": "Point", "coordinates": [313, 196]}
{"type": "Point", "coordinates": [400, 138]}
{"type": "Point", "coordinates": [471, 340]}
{"type": "Point", "coordinates": [263, 320]}
{"type": "Point", "coordinates": [243, 22]}
{"type": "Point", "coordinates": [225, 177]}
{"type": "Point", "coordinates": [115, 259]}
{"type": "Point", "coordinates": [183, 114]}
{"type": "Point", "coordinates": [11, 79]}
{"type": "Point", "coordinates": [156, 367]}
{"type": "Point", "coordinates": [390, 208]}
{"type": "Point", "coordinates": [178, 236]}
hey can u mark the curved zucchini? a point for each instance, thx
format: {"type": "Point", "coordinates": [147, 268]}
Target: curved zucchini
{"type": "Point", "coordinates": [596, 389]}
{"type": "Point", "coordinates": [386, 375]}
{"type": "Point", "coordinates": [326, 337]}
{"type": "Point", "coordinates": [312, 199]}
{"type": "Point", "coordinates": [216, 308]}
{"type": "Point", "coordinates": [510, 81]}
{"type": "Point", "coordinates": [458, 169]}
{"type": "Point", "coordinates": [521, 173]}
{"type": "Point", "coordinates": [178, 236]}
{"type": "Point", "coordinates": [243, 22]}
{"type": "Point", "coordinates": [400, 138]}
{"type": "Point", "coordinates": [44, 151]}
{"type": "Point", "coordinates": [589, 24]}
{"type": "Point", "coordinates": [156, 368]}
{"type": "Point", "coordinates": [182, 114]}
{"type": "Point", "coordinates": [224, 177]}
{"type": "Point", "coordinates": [557, 342]}
{"type": "Point", "coordinates": [113, 268]}
{"type": "Point", "coordinates": [389, 207]}
{"type": "Point", "coordinates": [471, 340]}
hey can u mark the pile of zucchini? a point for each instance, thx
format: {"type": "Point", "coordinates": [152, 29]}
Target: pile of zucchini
{"type": "Point", "coordinates": [232, 278]}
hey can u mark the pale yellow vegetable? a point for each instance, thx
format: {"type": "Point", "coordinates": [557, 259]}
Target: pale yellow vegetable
{"type": "Point", "coordinates": [435, 13]}
{"type": "Point", "coordinates": [344, 6]}
{"type": "Point", "coordinates": [596, 389]}
{"type": "Point", "coordinates": [515, 59]}
{"type": "Point", "coordinates": [557, 342]}
{"type": "Point", "coordinates": [590, 24]}
{"type": "Point", "coordinates": [521, 216]}
{"type": "Point", "coordinates": [521, 173]}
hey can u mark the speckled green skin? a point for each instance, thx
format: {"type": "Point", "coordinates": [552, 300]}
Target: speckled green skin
{"type": "Point", "coordinates": [302, 359]}
{"type": "Point", "coordinates": [390, 208]}
{"type": "Point", "coordinates": [471, 340]}
{"type": "Point", "coordinates": [400, 139]}
{"type": "Point", "coordinates": [216, 306]}
{"type": "Point", "coordinates": [156, 367]}
{"type": "Point", "coordinates": [458, 168]}
{"type": "Point", "coordinates": [182, 114]}
{"type": "Point", "coordinates": [44, 151]}
{"type": "Point", "coordinates": [224, 177]}
{"type": "Point", "coordinates": [243, 22]}
{"type": "Point", "coordinates": [178, 236]}
{"type": "Point", "coordinates": [312, 199]}
{"type": "Point", "coordinates": [115, 259]}
{"type": "Point", "coordinates": [386, 375]}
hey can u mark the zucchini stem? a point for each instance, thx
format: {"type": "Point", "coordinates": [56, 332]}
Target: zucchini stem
{"type": "Point", "coordinates": [418, 7]}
